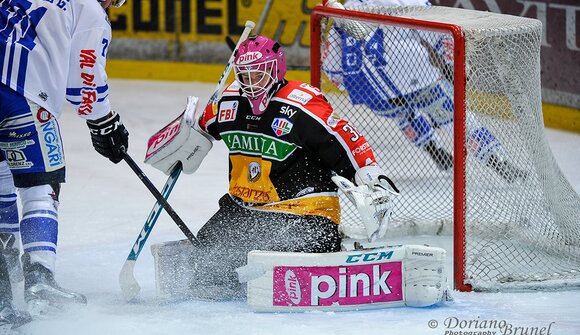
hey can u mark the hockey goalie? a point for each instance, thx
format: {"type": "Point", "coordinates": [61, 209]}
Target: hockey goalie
{"type": "Point", "coordinates": [275, 237]}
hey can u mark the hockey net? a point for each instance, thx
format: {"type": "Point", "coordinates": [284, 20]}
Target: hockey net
{"type": "Point", "coordinates": [513, 229]}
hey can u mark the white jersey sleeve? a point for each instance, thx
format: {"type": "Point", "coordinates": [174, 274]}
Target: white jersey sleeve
{"type": "Point", "coordinates": [63, 55]}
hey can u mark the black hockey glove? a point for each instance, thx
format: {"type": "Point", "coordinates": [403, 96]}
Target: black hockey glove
{"type": "Point", "coordinates": [109, 136]}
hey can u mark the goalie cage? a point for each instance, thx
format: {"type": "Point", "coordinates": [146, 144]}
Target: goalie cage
{"type": "Point", "coordinates": [507, 236]}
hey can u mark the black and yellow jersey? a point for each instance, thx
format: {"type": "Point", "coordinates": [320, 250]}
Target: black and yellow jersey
{"type": "Point", "coordinates": [283, 159]}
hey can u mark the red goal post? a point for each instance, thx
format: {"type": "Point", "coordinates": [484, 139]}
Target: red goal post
{"type": "Point", "coordinates": [459, 97]}
{"type": "Point", "coordinates": [516, 246]}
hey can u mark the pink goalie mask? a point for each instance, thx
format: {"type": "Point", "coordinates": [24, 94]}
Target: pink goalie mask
{"type": "Point", "coordinates": [259, 64]}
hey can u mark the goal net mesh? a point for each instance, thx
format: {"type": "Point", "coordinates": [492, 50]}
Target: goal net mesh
{"type": "Point", "coordinates": [521, 217]}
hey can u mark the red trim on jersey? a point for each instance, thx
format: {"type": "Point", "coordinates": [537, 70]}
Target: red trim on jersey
{"type": "Point", "coordinates": [314, 103]}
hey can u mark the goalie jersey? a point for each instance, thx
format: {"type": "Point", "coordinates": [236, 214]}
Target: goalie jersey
{"type": "Point", "coordinates": [50, 50]}
{"type": "Point", "coordinates": [283, 160]}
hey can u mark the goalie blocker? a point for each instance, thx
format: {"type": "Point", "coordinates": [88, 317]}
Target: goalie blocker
{"type": "Point", "coordinates": [382, 277]}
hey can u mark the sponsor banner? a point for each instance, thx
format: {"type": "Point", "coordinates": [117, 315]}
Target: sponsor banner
{"type": "Point", "coordinates": [210, 20]}
{"type": "Point", "coordinates": [252, 144]}
{"type": "Point", "coordinates": [194, 31]}
{"type": "Point", "coordinates": [337, 285]}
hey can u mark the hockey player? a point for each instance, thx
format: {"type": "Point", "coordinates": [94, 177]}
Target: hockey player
{"type": "Point", "coordinates": [285, 144]}
{"type": "Point", "coordinates": [418, 97]}
{"type": "Point", "coordinates": [49, 51]}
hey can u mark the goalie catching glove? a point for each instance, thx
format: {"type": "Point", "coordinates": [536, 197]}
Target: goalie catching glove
{"type": "Point", "coordinates": [372, 195]}
{"type": "Point", "coordinates": [109, 136]}
{"type": "Point", "coordinates": [180, 141]}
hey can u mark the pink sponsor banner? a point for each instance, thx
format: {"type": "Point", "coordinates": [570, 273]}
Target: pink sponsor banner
{"type": "Point", "coordinates": [341, 285]}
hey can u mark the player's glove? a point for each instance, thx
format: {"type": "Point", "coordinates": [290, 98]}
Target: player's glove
{"type": "Point", "coordinates": [110, 137]}
{"type": "Point", "coordinates": [372, 195]}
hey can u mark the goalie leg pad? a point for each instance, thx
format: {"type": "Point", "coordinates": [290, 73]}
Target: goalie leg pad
{"type": "Point", "coordinates": [209, 272]}
{"type": "Point", "coordinates": [183, 271]}
{"type": "Point", "coordinates": [408, 275]}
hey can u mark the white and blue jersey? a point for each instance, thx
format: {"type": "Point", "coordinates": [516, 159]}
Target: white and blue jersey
{"type": "Point", "coordinates": [390, 72]}
{"type": "Point", "coordinates": [368, 64]}
{"type": "Point", "coordinates": [395, 81]}
{"type": "Point", "coordinates": [52, 49]}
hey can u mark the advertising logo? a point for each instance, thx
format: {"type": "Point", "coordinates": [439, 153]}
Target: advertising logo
{"type": "Point", "coordinates": [281, 126]}
{"type": "Point", "coordinates": [228, 111]}
{"type": "Point", "coordinates": [249, 57]}
{"type": "Point", "coordinates": [337, 285]}
{"type": "Point", "coordinates": [163, 137]}
{"type": "Point", "coordinates": [254, 171]}
{"type": "Point", "coordinates": [300, 96]}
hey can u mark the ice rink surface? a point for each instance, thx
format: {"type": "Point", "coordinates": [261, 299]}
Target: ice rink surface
{"type": "Point", "coordinates": [104, 206]}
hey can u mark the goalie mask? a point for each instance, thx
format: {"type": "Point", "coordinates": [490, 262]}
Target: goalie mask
{"type": "Point", "coordinates": [259, 64]}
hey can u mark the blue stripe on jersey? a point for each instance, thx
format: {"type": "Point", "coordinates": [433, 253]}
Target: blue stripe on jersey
{"type": "Point", "coordinates": [389, 82]}
{"type": "Point", "coordinates": [76, 91]}
{"type": "Point", "coordinates": [10, 63]}
{"type": "Point", "coordinates": [14, 15]}
{"type": "Point", "coordinates": [76, 103]}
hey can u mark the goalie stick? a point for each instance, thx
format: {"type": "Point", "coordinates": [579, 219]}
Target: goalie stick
{"type": "Point", "coordinates": [129, 285]}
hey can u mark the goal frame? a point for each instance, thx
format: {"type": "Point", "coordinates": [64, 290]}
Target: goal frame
{"type": "Point", "coordinates": [459, 93]}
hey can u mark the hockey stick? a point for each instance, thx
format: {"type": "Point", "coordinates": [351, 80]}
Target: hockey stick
{"type": "Point", "coordinates": [159, 197]}
{"type": "Point", "coordinates": [264, 16]}
{"type": "Point", "coordinates": [222, 81]}
{"type": "Point", "coordinates": [355, 29]}
{"type": "Point", "coordinates": [129, 285]}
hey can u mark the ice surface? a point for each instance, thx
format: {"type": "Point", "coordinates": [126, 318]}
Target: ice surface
{"type": "Point", "coordinates": [104, 206]}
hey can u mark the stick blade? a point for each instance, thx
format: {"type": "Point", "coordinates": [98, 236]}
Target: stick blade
{"type": "Point", "coordinates": [129, 285]}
